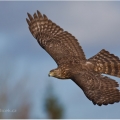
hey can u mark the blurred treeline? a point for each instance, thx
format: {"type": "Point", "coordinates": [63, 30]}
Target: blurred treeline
{"type": "Point", "coordinates": [51, 106]}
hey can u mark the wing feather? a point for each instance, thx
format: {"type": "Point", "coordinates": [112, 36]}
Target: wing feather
{"type": "Point", "coordinates": [99, 89]}
{"type": "Point", "coordinates": [60, 44]}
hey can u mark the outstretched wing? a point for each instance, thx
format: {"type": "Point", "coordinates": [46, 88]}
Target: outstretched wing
{"type": "Point", "coordinates": [99, 89]}
{"type": "Point", "coordinates": [61, 45]}
{"type": "Point", "coordinates": [106, 63]}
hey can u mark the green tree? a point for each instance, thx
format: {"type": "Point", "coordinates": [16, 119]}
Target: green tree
{"type": "Point", "coordinates": [52, 105]}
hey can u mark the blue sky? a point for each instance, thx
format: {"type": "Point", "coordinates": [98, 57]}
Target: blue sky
{"type": "Point", "coordinates": [24, 65]}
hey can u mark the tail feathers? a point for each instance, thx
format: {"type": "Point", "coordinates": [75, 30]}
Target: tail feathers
{"type": "Point", "coordinates": [106, 63]}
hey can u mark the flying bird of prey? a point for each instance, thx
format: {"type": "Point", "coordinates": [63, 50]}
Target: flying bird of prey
{"type": "Point", "coordinates": [72, 63]}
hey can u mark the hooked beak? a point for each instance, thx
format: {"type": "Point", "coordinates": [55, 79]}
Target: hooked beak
{"type": "Point", "coordinates": [48, 75]}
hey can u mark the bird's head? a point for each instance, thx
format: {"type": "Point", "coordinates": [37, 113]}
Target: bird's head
{"type": "Point", "coordinates": [55, 73]}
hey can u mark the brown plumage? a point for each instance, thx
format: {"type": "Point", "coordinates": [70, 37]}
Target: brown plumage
{"type": "Point", "coordinates": [72, 64]}
{"type": "Point", "coordinates": [106, 63]}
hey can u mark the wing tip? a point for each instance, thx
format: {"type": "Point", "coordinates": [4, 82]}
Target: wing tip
{"type": "Point", "coordinates": [30, 16]}
{"type": "Point", "coordinates": [39, 13]}
{"type": "Point", "coordinates": [28, 21]}
{"type": "Point", "coordinates": [35, 15]}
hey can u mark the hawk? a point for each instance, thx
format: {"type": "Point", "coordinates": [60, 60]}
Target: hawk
{"type": "Point", "coordinates": [64, 48]}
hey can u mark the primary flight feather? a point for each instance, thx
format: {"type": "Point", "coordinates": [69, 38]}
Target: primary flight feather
{"type": "Point", "coordinates": [72, 63]}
